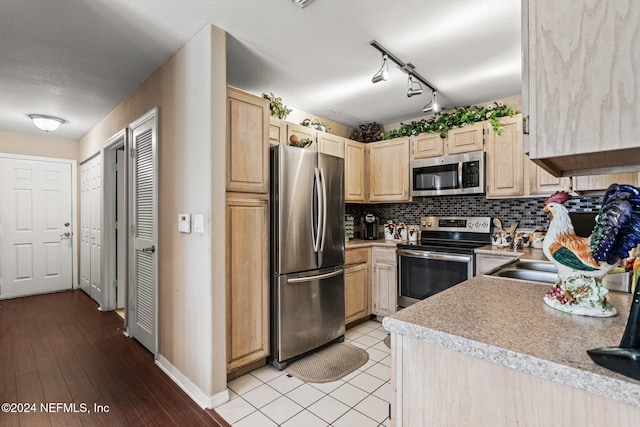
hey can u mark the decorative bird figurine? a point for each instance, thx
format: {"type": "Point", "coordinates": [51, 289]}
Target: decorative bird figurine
{"type": "Point", "coordinates": [582, 262]}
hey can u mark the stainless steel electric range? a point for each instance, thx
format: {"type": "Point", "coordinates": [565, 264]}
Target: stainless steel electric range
{"type": "Point", "coordinates": [442, 258]}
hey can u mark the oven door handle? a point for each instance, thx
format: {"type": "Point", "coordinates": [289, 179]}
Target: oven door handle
{"type": "Point", "coordinates": [433, 255]}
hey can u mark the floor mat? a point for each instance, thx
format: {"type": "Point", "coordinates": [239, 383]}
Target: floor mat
{"type": "Point", "coordinates": [329, 364]}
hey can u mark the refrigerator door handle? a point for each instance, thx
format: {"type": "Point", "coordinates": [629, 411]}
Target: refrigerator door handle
{"type": "Point", "coordinates": [318, 277]}
{"type": "Point", "coordinates": [315, 214]}
{"type": "Point", "coordinates": [324, 208]}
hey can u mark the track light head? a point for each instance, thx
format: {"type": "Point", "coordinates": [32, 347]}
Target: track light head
{"type": "Point", "coordinates": [412, 89]}
{"type": "Point", "coordinates": [383, 72]}
{"type": "Point", "coordinates": [436, 107]}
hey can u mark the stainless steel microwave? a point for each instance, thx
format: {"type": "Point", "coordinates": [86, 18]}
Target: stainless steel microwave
{"type": "Point", "coordinates": [447, 175]}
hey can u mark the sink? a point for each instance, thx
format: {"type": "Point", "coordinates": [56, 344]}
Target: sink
{"type": "Point", "coordinates": [524, 274]}
{"type": "Point", "coordinates": [545, 272]}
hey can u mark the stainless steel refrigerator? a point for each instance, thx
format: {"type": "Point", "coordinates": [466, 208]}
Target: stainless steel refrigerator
{"type": "Point", "coordinates": [307, 252]}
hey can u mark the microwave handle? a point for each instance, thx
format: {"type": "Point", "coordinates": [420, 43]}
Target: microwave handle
{"type": "Point", "coordinates": [460, 164]}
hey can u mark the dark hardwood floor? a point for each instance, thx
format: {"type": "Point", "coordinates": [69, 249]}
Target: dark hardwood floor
{"type": "Point", "coordinates": [64, 363]}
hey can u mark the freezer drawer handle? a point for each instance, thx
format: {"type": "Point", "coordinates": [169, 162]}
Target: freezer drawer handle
{"type": "Point", "coordinates": [318, 277]}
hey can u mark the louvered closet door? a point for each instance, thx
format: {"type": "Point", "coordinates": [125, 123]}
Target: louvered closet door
{"type": "Point", "coordinates": [144, 261]}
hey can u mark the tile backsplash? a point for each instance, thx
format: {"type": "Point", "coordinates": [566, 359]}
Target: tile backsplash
{"type": "Point", "coordinates": [527, 211]}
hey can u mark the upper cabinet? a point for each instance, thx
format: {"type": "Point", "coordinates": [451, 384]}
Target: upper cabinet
{"type": "Point", "coordinates": [330, 144]}
{"type": "Point", "coordinates": [427, 145]}
{"type": "Point", "coordinates": [581, 85]}
{"type": "Point", "coordinates": [302, 132]}
{"type": "Point", "coordinates": [465, 139]}
{"type": "Point", "coordinates": [505, 159]}
{"type": "Point", "coordinates": [389, 170]}
{"type": "Point", "coordinates": [355, 159]}
{"type": "Point", "coordinates": [247, 150]}
{"type": "Point", "coordinates": [600, 183]}
{"type": "Point", "coordinates": [277, 131]}
{"type": "Point", "coordinates": [542, 183]}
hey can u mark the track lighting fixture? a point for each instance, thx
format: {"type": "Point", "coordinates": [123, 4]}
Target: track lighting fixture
{"type": "Point", "coordinates": [416, 81]}
{"type": "Point", "coordinates": [433, 104]}
{"type": "Point", "coordinates": [383, 72]}
{"type": "Point", "coordinates": [413, 87]}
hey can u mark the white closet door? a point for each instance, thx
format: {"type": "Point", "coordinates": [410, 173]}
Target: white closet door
{"type": "Point", "coordinates": [144, 241]}
{"type": "Point", "coordinates": [36, 233]}
{"type": "Point", "coordinates": [90, 228]}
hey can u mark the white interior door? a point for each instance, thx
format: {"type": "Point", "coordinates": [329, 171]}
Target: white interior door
{"type": "Point", "coordinates": [144, 242]}
{"type": "Point", "coordinates": [121, 238]}
{"type": "Point", "coordinates": [90, 228]}
{"type": "Point", "coordinates": [36, 227]}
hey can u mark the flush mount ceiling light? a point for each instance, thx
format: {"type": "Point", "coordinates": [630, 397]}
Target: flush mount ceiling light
{"type": "Point", "coordinates": [413, 87]}
{"type": "Point", "coordinates": [46, 123]}
{"type": "Point", "coordinates": [432, 105]}
{"type": "Point", "coordinates": [383, 72]}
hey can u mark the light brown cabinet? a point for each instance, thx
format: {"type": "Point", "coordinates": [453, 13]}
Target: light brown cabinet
{"type": "Point", "coordinates": [277, 131]}
{"type": "Point", "coordinates": [465, 139]}
{"type": "Point", "coordinates": [247, 224]}
{"type": "Point", "coordinates": [426, 145]}
{"type": "Point", "coordinates": [247, 152]}
{"type": "Point", "coordinates": [355, 173]}
{"type": "Point", "coordinates": [600, 183]}
{"type": "Point", "coordinates": [389, 170]}
{"type": "Point", "coordinates": [247, 235]}
{"type": "Point", "coordinates": [385, 282]}
{"type": "Point", "coordinates": [357, 284]}
{"type": "Point", "coordinates": [542, 182]}
{"type": "Point", "coordinates": [302, 132]}
{"type": "Point", "coordinates": [505, 159]}
{"type": "Point", "coordinates": [581, 84]}
{"type": "Point", "coordinates": [330, 144]}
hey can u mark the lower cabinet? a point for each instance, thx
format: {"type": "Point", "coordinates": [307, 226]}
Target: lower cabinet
{"type": "Point", "coordinates": [357, 284]}
{"type": "Point", "coordinates": [385, 282]}
{"type": "Point", "coordinates": [247, 272]}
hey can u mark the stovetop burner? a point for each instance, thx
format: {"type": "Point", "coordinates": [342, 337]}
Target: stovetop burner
{"type": "Point", "coordinates": [452, 234]}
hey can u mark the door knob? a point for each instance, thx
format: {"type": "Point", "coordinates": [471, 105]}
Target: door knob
{"type": "Point", "coordinates": [65, 235]}
{"type": "Point", "coordinates": [150, 250]}
{"type": "Point", "coordinates": [66, 224]}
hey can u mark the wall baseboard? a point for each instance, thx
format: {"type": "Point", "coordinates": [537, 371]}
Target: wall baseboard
{"type": "Point", "coordinates": [193, 391]}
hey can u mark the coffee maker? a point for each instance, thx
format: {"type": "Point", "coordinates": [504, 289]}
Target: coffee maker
{"type": "Point", "coordinates": [369, 227]}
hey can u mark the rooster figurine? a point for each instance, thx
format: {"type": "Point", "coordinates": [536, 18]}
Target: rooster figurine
{"type": "Point", "coordinates": [582, 262]}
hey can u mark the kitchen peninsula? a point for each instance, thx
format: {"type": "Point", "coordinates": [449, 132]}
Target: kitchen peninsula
{"type": "Point", "coordinates": [489, 352]}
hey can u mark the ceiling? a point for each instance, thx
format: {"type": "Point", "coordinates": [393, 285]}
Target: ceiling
{"type": "Point", "coordinates": [78, 59]}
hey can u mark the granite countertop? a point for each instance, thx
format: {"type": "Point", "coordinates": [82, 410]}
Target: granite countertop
{"type": "Point", "coordinates": [506, 322]}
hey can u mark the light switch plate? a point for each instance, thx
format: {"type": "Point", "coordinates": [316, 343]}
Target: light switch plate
{"type": "Point", "coordinates": [184, 223]}
{"type": "Point", "coordinates": [198, 223]}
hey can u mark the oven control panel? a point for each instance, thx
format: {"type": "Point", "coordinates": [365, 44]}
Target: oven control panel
{"type": "Point", "coordinates": [467, 224]}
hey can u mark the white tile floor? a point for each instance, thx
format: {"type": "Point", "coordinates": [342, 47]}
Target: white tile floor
{"type": "Point", "coordinates": [268, 397]}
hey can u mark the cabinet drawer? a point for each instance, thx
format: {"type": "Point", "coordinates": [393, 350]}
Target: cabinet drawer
{"type": "Point", "coordinates": [384, 255]}
{"type": "Point", "coordinates": [356, 256]}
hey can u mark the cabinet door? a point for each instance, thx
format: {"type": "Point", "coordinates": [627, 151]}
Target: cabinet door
{"type": "Point", "coordinates": [356, 292]}
{"type": "Point", "coordinates": [602, 182]}
{"type": "Point", "coordinates": [505, 159]}
{"type": "Point", "coordinates": [426, 145]}
{"type": "Point", "coordinates": [389, 171]}
{"type": "Point", "coordinates": [542, 182]}
{"type": "Point", "coordinates": [354, 171]}
{"type": "Point", "coordinates": [247, 144]}
{"type": "Point", "coordinates": [330, 144]}
{"type": "Point", "coordinates": [582, 84]}
{"type": "Point", "coordinates": [247, 272]}
{"type": "Point", "coordinates": [302, 132]}
{"type": "Point", "coordinates": [465, 139]}
{"type": "Point", "coordinates": [384, 289]}
{"type": "Point", "coordinates": [277, 131]}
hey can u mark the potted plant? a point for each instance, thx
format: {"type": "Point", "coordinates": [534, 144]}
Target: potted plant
{"type": "Point", "coordinates": [276, 107]}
